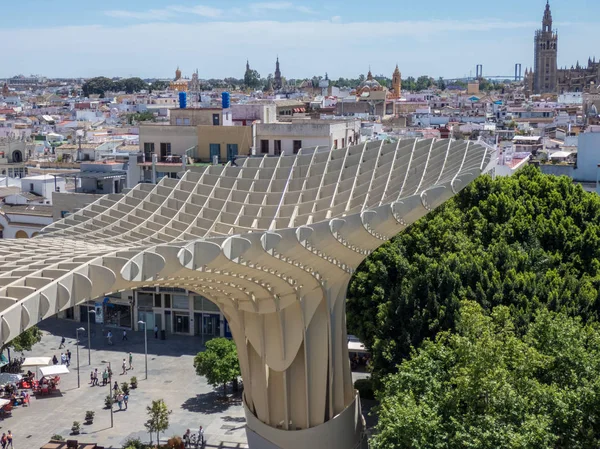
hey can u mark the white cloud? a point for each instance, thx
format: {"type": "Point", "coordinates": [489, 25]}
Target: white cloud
{"type": "Point", "coordinates": [166, 13]}
{"type": "Point", "coordinates": [279, 6]}
{"type": "Point", "coordinates": [336, 19]}
{"type": "Point", "coordinates": [438, 47]}
{"type": "Point", "coordinates": [199, 10]}
{"type": "Point", "coordinates": [153, 14]}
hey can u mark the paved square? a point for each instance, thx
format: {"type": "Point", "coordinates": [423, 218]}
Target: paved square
{"type": "Point", "coordinates": [171, 376]}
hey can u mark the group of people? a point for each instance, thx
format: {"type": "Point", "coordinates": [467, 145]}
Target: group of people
{"type": "Point", "coordinates": [65, 358]}
{"type": "Point", "coordinates": [7, 440]}
{"type": "Point", "coordinates": [187, 437]}
{"type": "Point", "coordinates": [109, 337]}
{"type": "Point", "coordinates": [94, 377]}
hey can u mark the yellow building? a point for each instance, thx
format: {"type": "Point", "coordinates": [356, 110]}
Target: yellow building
{"type": "Point", "coordinates": [223, 141]}
{"type": "Point", "coordinates": [396, 83]}
{"type": "Point", "coordinates": [179, 84]}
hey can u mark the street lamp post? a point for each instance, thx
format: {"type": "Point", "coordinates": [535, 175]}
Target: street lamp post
{"type": "Point", "coordinates": [81, 329]}
{"type": "Point", "coordinates": [89, 337]}
{"type": "Point", "coordinates": [145, 347]}
{"type": "Point", "coordinates": [110, 395]}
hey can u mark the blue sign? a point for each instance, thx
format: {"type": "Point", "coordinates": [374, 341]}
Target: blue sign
{"type": "Point", "coordinates": [106, 300]}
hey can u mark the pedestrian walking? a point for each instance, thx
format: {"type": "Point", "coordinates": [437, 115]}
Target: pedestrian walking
{"type": "Point", "coordinates": [130, 361]}
{"type": "Point", "coordinates": [120, 400]}
{"type": "Point", "coordinates": [109, 337]}
{"type": "Point", "coordinates": [96, 377]}
{"type": "Point", "coordinates": [124, 367]}
{"type": "Point", "coordinates": [124, 335]}
{"type": "Point", "coordinates": [63, 359]}
{"type": "Point", "coordinates": [116, 387]}
{"type": "Point", "coordinates": [104, 377]}
{"type": "Point", "coordinates": [54, 360]}
{"type": "Point", "coordinates": [3, 441]}
{"type": "Point", "coordinates": [68, 357]}
{"type": "Point", "coordinates": [126, 400]}
{"type": "Point", "coordinates": [9, 439]}
{"type": "Point", "coordinates": [92, 378]}
{"type": "Point", "coordinates": [62, 343]}
{"type": "Point", "coordinates": [155, 331]}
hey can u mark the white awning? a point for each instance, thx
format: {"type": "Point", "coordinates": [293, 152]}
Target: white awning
{"type": "Point", "coordinates": [4, 402]}
{"type": "Point", "coordinates": [36, 361]}
{"type": "Point", "coordinates": [356, 346]}
{"type": "Point", "coordinates": [54, 370]}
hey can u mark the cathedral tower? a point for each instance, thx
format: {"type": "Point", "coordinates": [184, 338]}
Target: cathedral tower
{"type": "Point", "coordinates": [277, 83]}
{"type": "Point", "coordinates": [397, 83]}
{"type": "Point", "coordinates": [545, 51]}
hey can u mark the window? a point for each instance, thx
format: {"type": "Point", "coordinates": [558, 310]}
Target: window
{"type": "Point", "coordinates": [31, 187]}
{"type": "Point", "coordinates": [343, 143]}
{"type": "Point", "coordinates": [167, 301]}
{"type": "Point", "coordinates": [277, 147]}
{"type": "Point", "coordinates": [264, 146]}
{"type": "Point", "coordinates": [216, 121]}
{"type": "Point", "coordinates": [297, 146]}
{"type": "Point", "coordinates": [186, 121]}
{"type": "Point", "coordinates": [149, 148]}
{"type": "Point", "coordinates": [178, 121]}
{"type": "Point", "coordinates": [157, 301]}
{"type": "Point", "coordinates": [165, 149]}
{"type": "Point", "coordinates": [99, 184]}
{"type": "Point", "coordinates": [335, 144]}
{"type": "Point", "coordinates": [180, 302]}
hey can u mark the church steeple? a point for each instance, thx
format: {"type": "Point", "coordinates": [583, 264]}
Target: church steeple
{"type": "Point", "coordinates": [547, 21]}
{"type": "Point", "coordinates": [277, 81]}
{"type": "Point", "coordinates": [369, 75]}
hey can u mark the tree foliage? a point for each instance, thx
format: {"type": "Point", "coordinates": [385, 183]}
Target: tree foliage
{"type": "Point", "coordinates": [218, 363]}
{"type": "Point", "coordinates": [484, 386]}
{"type": "Point", "coordinates": [528, 241]}
{"type": "Point", "coordinates": [252, 79]}
{"type": "Point", "coordinates": [158, 418]}
{"type": "Point", "coordinates": [25, 341]}
{"type": "Point", "coordinates": [100, 85]}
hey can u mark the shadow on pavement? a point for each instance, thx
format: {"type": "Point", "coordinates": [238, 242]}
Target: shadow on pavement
{"type": "Point", "coordinates": [208, 403]}
{"type": "Point", "coordinates": [233, 419]}
{"type": "Point", "coordinates": [174, 345]}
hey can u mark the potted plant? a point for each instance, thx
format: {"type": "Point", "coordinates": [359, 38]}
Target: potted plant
{"type": "Point", "coordinates": [57, 437]}
{"type": "Point", "coordinates": [108, 401]}
{"type": "Point", "coordinates": [133, 382]}
{"type": "Point", "coordinates": [76, 428]}
{"type": "Point", "coordinates": [89, 417]}
{"type": "Point", "coordinates": [125, 388]}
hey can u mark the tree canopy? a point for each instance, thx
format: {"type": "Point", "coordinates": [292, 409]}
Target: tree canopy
{"type": "Point", "coordinates": [100, 85]}
{"type": "Point", "coordinates": [158, 418]}
{"type": "Point", "coordinates": [218, 363]}
{"type": "Point", "coordinates": [483, 386]}
{"type": "Point", "coordinates": [527, 242]}
{"type": "Point", "coordinates": [25, 340]}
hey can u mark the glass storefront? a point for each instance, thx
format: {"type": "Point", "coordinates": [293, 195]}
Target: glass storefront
{"type": "Point", "coordinates": [117, 315]}
{"type": "Point", "coordinates": [182, 323]}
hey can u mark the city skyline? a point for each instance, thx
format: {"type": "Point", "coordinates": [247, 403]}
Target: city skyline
{"type": "Point", "coordinates": [343, 39]}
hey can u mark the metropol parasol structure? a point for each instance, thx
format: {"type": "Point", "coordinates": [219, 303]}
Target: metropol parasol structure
{"type": "Point", "coordinates": [273, 241]}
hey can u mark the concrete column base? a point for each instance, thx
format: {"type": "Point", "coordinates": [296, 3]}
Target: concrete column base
{"type": "Point", "coordinates": [345, 431]}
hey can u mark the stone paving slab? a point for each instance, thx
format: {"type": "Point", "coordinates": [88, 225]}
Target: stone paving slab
{"type": "Point", "coordinates": [171, 376]}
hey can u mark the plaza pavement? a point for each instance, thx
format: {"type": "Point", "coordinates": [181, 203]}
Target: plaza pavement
{"type": "Point", "coordinates": [171, 376]}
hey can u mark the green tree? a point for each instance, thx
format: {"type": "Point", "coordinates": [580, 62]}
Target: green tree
{"type": "Point", "coordinates": [441, 84]}
{"type": "Point", "coordinates": [484, 386]}
{"type": "Point", "coordinates": [158, 85]}
{"type": "Point", "coordinates": [25, 341]}
{"type": "Point", "coordinates": [99, 85]}
{"type": "Point", "coordinates": [252, 79]}
{"type": "Point", "coordinates": [528, 241]}
{"type": "Point", "coordinates": [158, 418]}
{"type": "Point", "coordinates": [218, 363]}
{"type": "Point", "coordinates": [423, 82]}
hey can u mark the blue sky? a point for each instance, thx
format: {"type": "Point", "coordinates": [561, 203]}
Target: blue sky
{"type": "Point", "coordinates": [151, 38]}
